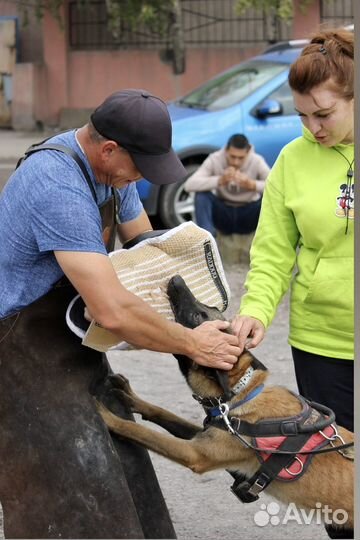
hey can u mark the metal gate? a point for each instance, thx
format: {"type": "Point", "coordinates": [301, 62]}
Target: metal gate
{"type": "Point", "coordinates": [205, 23]}
{"type": "Point", "coordinates": [337, 12]}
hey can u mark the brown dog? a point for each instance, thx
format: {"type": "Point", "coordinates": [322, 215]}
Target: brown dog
{"type": "Point", "coordinates": [240, 414]}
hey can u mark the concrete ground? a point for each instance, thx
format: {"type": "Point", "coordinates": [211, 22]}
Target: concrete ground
{"type": "Point", "coordinates": [201, 507]}
{"type": "Point", "coordinates": [14, 143]}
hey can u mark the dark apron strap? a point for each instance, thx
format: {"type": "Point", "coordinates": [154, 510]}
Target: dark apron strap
{"type": "Point", "coordinates": [66, 150]}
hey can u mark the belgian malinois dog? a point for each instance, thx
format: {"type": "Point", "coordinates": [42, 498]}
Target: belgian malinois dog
{"type": "Point", "coordinates": [239, 407]}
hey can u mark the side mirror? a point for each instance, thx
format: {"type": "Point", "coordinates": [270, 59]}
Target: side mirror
{"type": "Point", "coordinates": [269, 107]}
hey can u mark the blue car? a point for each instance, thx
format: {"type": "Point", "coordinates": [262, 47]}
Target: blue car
{"type": "Point", "coordinates": [252, 98]}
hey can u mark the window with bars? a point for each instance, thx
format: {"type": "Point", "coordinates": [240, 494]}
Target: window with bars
{"type": "Point", "coordinates": [337, 13]}
{"type": "Point", "coordinates": [205, 22]}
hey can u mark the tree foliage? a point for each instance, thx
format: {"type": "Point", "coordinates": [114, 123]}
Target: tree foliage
{"type": "Point", "coordinates": [155, 13]}
{"type": "Point", "coordinates": [280, 8]}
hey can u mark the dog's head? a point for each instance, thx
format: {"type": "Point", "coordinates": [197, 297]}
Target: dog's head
{"type": "Point", "coordinates": [189, 312]}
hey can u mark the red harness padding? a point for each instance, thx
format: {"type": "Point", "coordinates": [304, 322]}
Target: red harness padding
{"type": "Point", "coordinates": [301, 461]}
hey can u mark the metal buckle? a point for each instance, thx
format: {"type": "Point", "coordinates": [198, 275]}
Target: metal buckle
{"type": "Point", "coordinates": [299, 471]}
{"type": "Point", "coordinates": [345, 453]}
{"type": "Point", "coordinates": [288, 428]}
{"type": "Point", "coordinates": [333, 438]}
{"type": "Point", "coordinates": [259, 485]}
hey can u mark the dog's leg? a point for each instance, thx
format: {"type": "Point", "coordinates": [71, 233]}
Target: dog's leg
{"type": "Point", "coordinates": [171, 422]}
{"type": "Point", "coordinates": [199, 456]}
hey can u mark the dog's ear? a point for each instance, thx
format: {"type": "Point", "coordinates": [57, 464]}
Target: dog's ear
{"type": "Point", "coordinates": [255, 363]}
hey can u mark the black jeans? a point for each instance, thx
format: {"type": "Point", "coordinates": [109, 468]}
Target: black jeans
{"type": "Point", "coordinates": [329, 381]}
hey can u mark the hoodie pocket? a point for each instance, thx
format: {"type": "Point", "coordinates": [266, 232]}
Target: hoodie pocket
{"type": "Point", "coordinates": [331, 293]}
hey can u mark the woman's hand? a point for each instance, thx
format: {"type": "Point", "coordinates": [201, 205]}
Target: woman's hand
{"type": "Point", "coordinates": [249, 330]}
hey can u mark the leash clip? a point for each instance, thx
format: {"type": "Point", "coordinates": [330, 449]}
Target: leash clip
{"type": "Point", "coordinates": [224, 411]}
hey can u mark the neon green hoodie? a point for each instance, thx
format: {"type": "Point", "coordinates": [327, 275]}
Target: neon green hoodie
{"type": "Point", "coordinates": [301, 241]}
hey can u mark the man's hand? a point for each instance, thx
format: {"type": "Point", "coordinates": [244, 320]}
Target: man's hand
{"type": "Point", "coordinates": [215, 348]}
{"type": "Point", "coordinates": [228, 176]}
{"type": "Point", "coordinates": [249, 330]}
{"type": "Point", "coordinates": [237, 178]}
{"type": "Point", "coordinates": [243, 181]}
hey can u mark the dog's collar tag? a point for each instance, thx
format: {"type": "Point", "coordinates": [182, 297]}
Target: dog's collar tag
{"type": "Point", "coordinates": [244, 381]}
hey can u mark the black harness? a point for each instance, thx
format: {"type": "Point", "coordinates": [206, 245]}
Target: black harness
{"type": "Point", "coordinates": [44, 145]}
{"type": "Point", "coordinates": [297, 430]}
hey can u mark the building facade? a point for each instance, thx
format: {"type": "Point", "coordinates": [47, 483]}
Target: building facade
{"type": "Point", "coordinates": [54, 74]}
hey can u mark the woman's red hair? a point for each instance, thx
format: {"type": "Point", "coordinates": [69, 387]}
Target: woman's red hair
{"type": "Point", "coordinates": [328, 57]}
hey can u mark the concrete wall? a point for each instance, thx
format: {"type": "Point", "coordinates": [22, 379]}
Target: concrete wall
{"type": "Point", "coordinates": [94, 75]}
{"type": "Point", "coordinates": [306, 21]}
{"type": "Point", "coordinates": [23, 103]}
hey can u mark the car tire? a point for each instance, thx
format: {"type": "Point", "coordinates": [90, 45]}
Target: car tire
{"type": "Point", "coordinates": [175, 204]}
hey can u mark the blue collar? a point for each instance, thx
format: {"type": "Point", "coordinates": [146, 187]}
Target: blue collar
{"type": "Point", "coordinates": [215, 411]}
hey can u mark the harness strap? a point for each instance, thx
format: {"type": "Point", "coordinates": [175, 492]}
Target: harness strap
{"type": "Point", "coordinates": [314, 417]}
{"type": "Point", "coordinates": [66, 150]}
{"type": "Point", "coordinates": [248, 490]}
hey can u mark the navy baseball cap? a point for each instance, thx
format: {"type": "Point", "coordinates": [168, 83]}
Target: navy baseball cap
{"type": "Point", "coordinates": [140, 123]}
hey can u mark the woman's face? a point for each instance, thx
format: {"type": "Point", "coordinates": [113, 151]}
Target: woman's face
{"type": "Point", "coordinates": [328, 116]}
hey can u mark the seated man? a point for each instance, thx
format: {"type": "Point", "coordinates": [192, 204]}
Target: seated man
{"type": "Point", "coordinates": [229, 186]}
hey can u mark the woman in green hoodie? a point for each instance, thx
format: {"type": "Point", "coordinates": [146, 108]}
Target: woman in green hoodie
{"type": "Point", "coordinates": [305, 236]}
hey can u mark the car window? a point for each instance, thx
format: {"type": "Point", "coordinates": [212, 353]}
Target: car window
{"type": "Point", "coordinates": [233, 86]}
{"type": "Point", "coordinates": [284, 96]}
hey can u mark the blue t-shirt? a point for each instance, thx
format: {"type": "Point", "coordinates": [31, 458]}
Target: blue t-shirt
{"type": "Point", "coordinates": [45, 206]}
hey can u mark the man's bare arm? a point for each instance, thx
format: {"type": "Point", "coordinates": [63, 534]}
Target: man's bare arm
{"type": "Point", "coordinates": [131, 229]}
{"type": "Point", "coordinates": [134, 321]}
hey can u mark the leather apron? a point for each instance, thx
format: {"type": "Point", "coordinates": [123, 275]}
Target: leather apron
{"type": "Point", "coordinates": [62, 475]}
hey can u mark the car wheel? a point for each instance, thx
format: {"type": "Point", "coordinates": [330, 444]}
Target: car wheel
{"type": "Point", "coordinates": [175, 204]}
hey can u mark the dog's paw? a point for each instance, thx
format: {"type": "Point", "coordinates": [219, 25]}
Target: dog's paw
{"type": "Point", "coordinates": [127, 399]}
{"type": "Point", "coordinates": [121, 389]}
{"type": "Point", "coordinates": [120, 381]}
